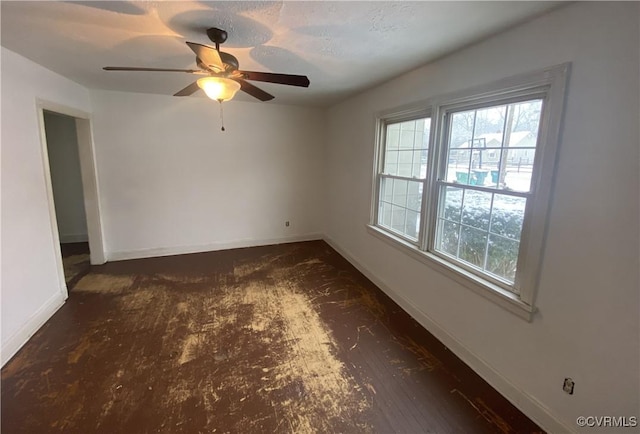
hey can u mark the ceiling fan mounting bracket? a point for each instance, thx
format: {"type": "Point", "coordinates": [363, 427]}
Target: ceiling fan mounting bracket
{"type": "Point", "coordinates": [217, 36]}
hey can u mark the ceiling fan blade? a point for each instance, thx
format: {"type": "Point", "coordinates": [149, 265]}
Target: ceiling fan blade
{"type": "Point", "coordinates": [134, 68]}
{"type": "Point", "coordinates": [270, 77]}
{"type": "Point", "coordinates": [189, 90]}
{"type": "Point", "coordinates": [254, 91]}
{"type": "Point", "coordinates": [209, 55]}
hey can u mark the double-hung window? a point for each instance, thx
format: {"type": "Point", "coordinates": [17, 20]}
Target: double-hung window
{"type": "Point", "coordinates": [403, 174]}
{"type": "Point", "coordinates": [464, 182]}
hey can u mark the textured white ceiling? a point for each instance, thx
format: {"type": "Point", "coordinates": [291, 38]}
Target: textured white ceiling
{"type": "Point", "coordinates": [343, 47]}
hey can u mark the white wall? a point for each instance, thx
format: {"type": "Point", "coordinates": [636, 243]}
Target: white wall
{"type": "Point", "coordinates": [30, 282]}
{"type": "Point", "coordinates": [172, 182]}
{"type": "Point", "coordinates": [587, 326]}
{"type": "Point", "coordinates": [66, 180]}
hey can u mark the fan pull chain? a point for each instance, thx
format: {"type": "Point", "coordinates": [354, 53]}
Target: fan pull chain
{"type": "Point", "coordinates": [221, 116]}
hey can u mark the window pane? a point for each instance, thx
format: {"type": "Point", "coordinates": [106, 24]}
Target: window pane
{"type": "Point", "coordinates": [399, 193]}
{"type": "Point", "coordinates": [407, 137]}
{"type": "Point", "coordinates": [398, 216]}
{"type": "Point", "coordinates": [458, 167]}
{"type": "Point", "coordinates": [526, 118]}
{"type": "Point", "coordinates": [384, 214]}
{"type": "Point", "coordinates": [503, 257]}
{"type": "Point", "coordinates": [419, 167]}
{"type": "Point", "coordinates": [405, 163]}
{"type": "Point", "coordinates": [391, 162]}
{"type": "Point", "coordinates": [485, 167]}
{"type": "Point", "coordinates": [476, 209]}
{"type": "Point", "coordinates": [518, 164]}
{"type": "Point", "coordinates": [461, 129]}
{"type": "Point", "coordinates": [507, 216]}
{"type": "Point", "coordinates": [489, 127]}
{"type": "Point", "coordinates": [473, 245]}
{"type": "Point", "coordinates": [419, 132]}
{"type": "Point", "coordinates": [448, 237]}
{"type": "Point", "coordinates": [452, 204]}
{"type": "Point", "coordinates": [386, 190]}
{"type": "Point", "coordinates": [414, 195]}
{"type": "Point", "coordinates": [393, 136]}
{"type": "Point", "coordinates": [423, 131]}
{"type": "Point", "coordinates": [412, 225]}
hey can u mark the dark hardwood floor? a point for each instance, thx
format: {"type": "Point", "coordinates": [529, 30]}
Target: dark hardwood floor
{"type": "Point", "coordinates": [74, 249]}
{"type": "Point", "coordinates": [75, 259]}
{"type": "Point", "coordinates": [286, 338]}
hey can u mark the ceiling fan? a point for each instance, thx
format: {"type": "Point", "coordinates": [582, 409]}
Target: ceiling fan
{"type": "Point", "coordinates": [222, 78]}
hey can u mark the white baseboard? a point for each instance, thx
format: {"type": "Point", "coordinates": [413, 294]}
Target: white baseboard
{"type": "Point", "coordinates": [33, 324]}
{"type": "Point", "coordinates": [223, 245]}
{"type": "Point", "coordinates": [526, 403]}
{"type": "Point", "coordinates": [73, 238]}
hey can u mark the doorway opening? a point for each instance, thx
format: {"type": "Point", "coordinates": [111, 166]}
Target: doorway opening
{"type": "Point", "coordinates": [72, 191]}
{"type": "Point", "coordinates": [68, 195]}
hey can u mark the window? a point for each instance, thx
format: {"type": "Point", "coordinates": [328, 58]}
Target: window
{"type": "Point", "coordinates": [470, 193]}
{"type": "Point", "coordinates": [401, 181]}
{"type": "Point", "coordinates": [486, 185]}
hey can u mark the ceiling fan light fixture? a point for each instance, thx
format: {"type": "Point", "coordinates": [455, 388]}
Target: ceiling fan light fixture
{"type": "Point", "coordinates": [219, 88]}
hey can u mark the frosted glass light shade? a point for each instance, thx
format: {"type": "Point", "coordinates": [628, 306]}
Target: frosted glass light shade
{"type": "Point", "coordinates": [219, 88]}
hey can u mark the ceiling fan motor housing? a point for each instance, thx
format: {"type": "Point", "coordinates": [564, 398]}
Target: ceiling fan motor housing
{"type": "Point", "coordinates": [230, 61]}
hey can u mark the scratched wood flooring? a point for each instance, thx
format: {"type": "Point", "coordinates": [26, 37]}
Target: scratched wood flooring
{"type": "Point", "coordinates": [287, 339]}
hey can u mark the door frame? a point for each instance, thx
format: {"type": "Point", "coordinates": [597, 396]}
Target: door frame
{"type": "Point", "coordinates": [90, 190]}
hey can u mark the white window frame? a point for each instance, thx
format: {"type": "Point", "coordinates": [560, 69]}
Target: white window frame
{"type": "Point", "coordinates": [548, 84]}
{"type": "Point", "coordinates": [408, 113]}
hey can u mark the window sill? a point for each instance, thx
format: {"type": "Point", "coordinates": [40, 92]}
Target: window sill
{"type": "Point", "coordinates": [500, 296]}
